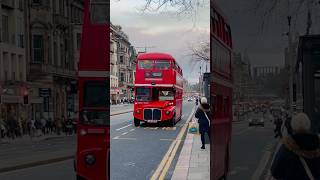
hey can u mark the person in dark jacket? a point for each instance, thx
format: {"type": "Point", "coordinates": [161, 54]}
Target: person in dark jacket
{"type": "Point", "coordinates": [202, 114]}
{"type": "Point", "coordinates": [302, 143]}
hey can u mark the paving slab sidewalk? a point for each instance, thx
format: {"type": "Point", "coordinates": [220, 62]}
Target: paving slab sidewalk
{"type": "Point", "coordinates": [193, 162]}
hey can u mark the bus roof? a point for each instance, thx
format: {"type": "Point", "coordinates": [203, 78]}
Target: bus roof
{"type": "Point", "coordinates": [155, 55]}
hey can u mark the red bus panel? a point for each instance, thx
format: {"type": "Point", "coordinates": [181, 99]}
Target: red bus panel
{"type": "Point", "coordinates": [93, 129]}
{"type": "Point", "coordinates": [220, 93]}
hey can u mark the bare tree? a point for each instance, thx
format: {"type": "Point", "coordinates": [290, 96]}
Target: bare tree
{"type": "Point", "coordinates": [282, 9]}
{"type": "Point", "coordinates": [200, 52]}
{"type": "Point", "coordinates": [182, 6]}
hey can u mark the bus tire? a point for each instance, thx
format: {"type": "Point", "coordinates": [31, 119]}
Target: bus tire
{"type": "Point", "coordinates": [136, 122]}
{"type": "Point", "coordinates": [172, 121]}
{"type": "Point", "coordinates": [227, 158]}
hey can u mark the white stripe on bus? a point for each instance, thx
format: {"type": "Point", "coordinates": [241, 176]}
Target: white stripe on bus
{"type": "Point", "coordinates": [160, 85]}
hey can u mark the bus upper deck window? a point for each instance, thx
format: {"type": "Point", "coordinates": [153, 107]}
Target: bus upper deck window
{"type": "Point", "coordinates": [145, 64]}
{"type": "Point", "coordinates": [100, 11]}
{"type": "Point", "coordinates": [162, 64]}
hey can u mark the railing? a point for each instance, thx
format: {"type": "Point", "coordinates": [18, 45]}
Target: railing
{"type": "Point", "coordinates": [50, 69]}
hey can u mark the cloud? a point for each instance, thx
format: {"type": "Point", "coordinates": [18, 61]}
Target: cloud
{"type": "Point", "coordinates": [167, 32]}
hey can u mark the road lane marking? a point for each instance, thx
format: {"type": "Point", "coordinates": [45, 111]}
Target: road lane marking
{"type": "Point", "coordinates": [132, 129]}
{"type": "Point", "coordinates": [166, 161]}
{"type": "Point", "coordinates": [127, 138]}
{"type": "Point", "coordinates": [117, 137]}
{"type": "Point", "coordinates": [123, 127]}
{"type": "Point", "coordinates": [264, 161]}
{"type": "Point", "coordinates": [124, 133]}
{"type": "Point", "coordinates": [119, 113]}
{"type": "Point", "coordinates": [166, 139]}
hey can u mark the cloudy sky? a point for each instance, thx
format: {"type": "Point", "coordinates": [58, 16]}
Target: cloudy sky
{"type": "Point", "coordinates": [265, 46]}
{"type": "Point", "coordinates": [164, 30]}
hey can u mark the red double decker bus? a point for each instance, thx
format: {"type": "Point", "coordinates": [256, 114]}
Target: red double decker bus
{"type": "Point", "coordinates": [93, 128]}
{"type": "Point", "coordinates": [220, 92]}
{"type": "Point", "coordinates": [158, 89]}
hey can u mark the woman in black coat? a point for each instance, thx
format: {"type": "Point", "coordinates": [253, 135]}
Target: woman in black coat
{"type": "Point", "coordinates": [287, 164]}
{"type": "Point", "coordinates": [204, 124]}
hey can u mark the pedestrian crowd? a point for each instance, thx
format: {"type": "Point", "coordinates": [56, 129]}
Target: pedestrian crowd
{"type": "Point", "coordinates": [12, 128]}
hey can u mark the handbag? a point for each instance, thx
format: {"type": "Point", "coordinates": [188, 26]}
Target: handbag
{"type": "Point", "coordinates": [207, 117]}
{"type": "Point", "coordinates": [194, 128]}
{"type": "Point", "coordinates": [306, 168]}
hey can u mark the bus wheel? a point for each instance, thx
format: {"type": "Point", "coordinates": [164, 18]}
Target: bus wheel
{"type": "Point", "coordinates": [172, 121]}
{"type": "Point", "coordinates": [226, 173]}
{"type": "Point", "coordinates": [136, 122]}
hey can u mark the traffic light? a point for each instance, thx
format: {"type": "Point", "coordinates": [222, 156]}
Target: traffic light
{"type": "Point", "coordinates": [25, 99]}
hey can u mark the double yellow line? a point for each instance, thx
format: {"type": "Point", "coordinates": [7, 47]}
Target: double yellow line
{"type": "Point", "coordinates": [166, 161]}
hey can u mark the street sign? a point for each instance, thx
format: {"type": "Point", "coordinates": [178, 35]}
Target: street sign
{"type": "Point", "coordinates": [44, 92]}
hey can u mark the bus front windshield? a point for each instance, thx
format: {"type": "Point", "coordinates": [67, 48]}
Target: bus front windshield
{"type": "Point", "coordinates": [143, 94]}
{"type": "Point", "coordinates": [166, 95]}
{"type": "Point", "coordinates": [98, 118]}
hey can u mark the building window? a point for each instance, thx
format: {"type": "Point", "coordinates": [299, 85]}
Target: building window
{"type": "Point", "coordinates": [38, 54]}
{"type": "Point", "coordinates": [122, 77]}
{"type": "Point", "coordinates": [78, 41]}
{"type": "Point", "coordinates": [5, 28]}
{"type": "Point", "coordinates": [121, 59]}
{"type": "Point", "coordinates": [99, 12]}
{"type": "Point", "coordinates": [20, 40]}
{"type": "Point", "coordinates": [55, 55]}
{"type": "Point", "coordinates": [37, 2]}
{"type": "Point", "coordinates": [21, 7]}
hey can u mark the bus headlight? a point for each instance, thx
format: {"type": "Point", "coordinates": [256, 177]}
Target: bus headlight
{"type": "Point", "coordinates": [167, 112]}
{"type": "Point", "coordinates": [90, 159]}
{"type": "Point", "coordinates": [83, 132]}
{"type": "Point", "coordinates": [138, 111]}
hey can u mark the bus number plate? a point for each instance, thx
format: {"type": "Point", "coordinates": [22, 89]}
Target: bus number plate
{"type": "Point", "coordinates": [152, 121]}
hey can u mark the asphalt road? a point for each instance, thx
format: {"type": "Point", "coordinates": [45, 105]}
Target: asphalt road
{"type": "Point", "coordinates": [137, 152]}
{"type": "Point", "coordinates": [55, 171]}
{"type": "Point", "coordinates": [251, 150]}
{"type": "Point", "coordinates": [27, 151]}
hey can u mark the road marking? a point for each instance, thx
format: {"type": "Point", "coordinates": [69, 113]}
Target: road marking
{"type": "Point", "coordinates": [132, 129]}
{"type": "Point", "coordinates": [123, 127]}
{"type": "Point", "coordinates": [242, 131]}
{"type": "Point", "coordinates": [127, 138]}
{"type": "Point", "coordinates": [263, 162]}
{"type": "Point", "coordinates": [166, 161]}
{"type": "Point", "coordinates": [117, 137]}
{"type": "Point", "coordinates": [166, 139]}
{"type": "Point", "coordinates": [119, 113]}
{"type": "Point", "coordinates": [124, 133]}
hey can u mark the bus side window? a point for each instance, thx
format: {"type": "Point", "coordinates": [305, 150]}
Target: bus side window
{"type": "Point", "coordinates": [100, 11]}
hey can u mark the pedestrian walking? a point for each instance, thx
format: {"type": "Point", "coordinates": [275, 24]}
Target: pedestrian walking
{"type": "Point", "coordinates": [278, 126]}
{"type": "Point", "coordinates": [197, 100]}
{"type": "Point", "coordinates": [298, 158]}
{"type": "Point", "coordinates": [12, 125]}
{"type": "Point", "coordinates": [43, 125]}
{"type": "Point", "coordinates": [203, 114]}
{"type": "Point", "coordinates": [2, 128]}
{"type": "Point", "coordinates": [33, 128]}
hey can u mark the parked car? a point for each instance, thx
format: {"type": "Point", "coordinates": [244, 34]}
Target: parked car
{"type": "Point", "coordinates": [256, 119]}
